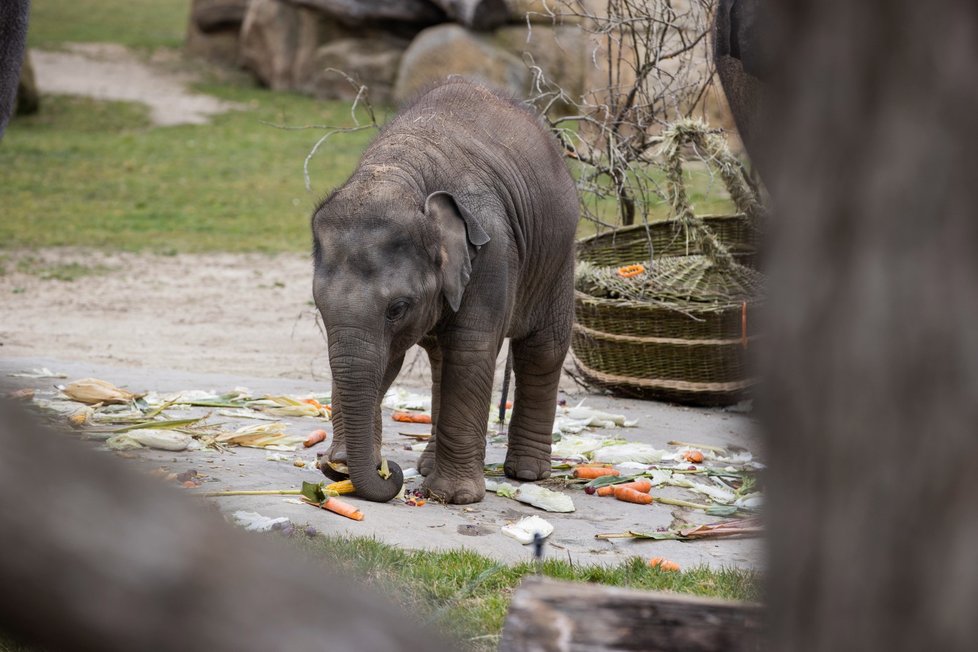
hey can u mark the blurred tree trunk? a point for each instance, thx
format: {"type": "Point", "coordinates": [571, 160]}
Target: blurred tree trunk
{"type": "Point", "coordinates": [871, 389]}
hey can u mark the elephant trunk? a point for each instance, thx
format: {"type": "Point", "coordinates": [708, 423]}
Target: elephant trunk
{"type": "Point", "coordinates": [357, 367]}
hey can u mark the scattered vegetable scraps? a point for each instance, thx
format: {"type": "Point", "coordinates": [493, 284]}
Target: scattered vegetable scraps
{"type": "Point", "coordinates": [315, 495]}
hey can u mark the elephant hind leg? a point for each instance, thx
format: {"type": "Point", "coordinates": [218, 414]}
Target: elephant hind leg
{"type": "Point", "coordinates": [537, 362]}
{"type": "Point", "coordinates": [426, 462]}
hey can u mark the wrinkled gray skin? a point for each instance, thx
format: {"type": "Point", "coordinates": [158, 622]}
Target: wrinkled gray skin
{"type": "Point", "coordinates": [455, 231]}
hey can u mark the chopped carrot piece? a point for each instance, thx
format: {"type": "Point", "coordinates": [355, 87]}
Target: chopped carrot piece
{"type": "Point", "coordinates": [628, 271]}
{"type": "Point", "coordinates": [592, 472]}
{"type": "Point", "coordinates": [407, 417]}
{"type": "Point", "coordinates": [314, 438]}
{"type": "Point", "coordinates": [632, 496]}
{"type": "Point", "coordinates": [339, 507]}
{"type": "Point", "coordinates": [663, 564]}
{"type": "Point", "coordinates": [642, 484]}
{"type": "Point", "coordinates": [696, 457]}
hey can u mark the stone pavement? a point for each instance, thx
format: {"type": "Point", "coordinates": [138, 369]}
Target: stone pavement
{"type": "Point", "coordinates": [436, 526]}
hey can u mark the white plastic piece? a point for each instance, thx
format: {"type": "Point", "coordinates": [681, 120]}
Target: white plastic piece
{"type": "Point", "coordinates": [525, 529]}
{"type": "Point", "coordinates": [255, 522]}
{"type": "Point", "coordinates": [543, 498]}
{"type": "Point", "coordinates": [628, 452]}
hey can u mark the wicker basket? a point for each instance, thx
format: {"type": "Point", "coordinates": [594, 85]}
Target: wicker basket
{"type": "Point", "coordinates": [664, 348]}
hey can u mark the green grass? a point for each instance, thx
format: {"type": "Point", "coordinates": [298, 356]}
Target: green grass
{"type": "Point", "coordinates": [468, 594]}
{"type": "Point", "coordinates": [136, 23]}
{"type": "Point", "coordinates": [89, 173]}
{"type": "Point", "coordinates": [98, 174]}
{"type": "Point", "coordinates": [55, 271]}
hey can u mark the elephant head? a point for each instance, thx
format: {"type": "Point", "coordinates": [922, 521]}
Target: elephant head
{"type": "Point", "coordinates": [387, 267]}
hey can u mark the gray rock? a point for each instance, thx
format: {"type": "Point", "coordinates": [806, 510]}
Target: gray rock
{"type": "Point", "coordinates": [218, 15]}
{"type": "Point", "coordinates": [371, 60]}
{"type": "Point", "coordinates": [445, 50]}
{"type": "Point", "coordinates": [220, 46]}
{"type": "Point", "coordinates": [372, 12]}
{"type": "Point", "coordinates": [480, 15]}
{"type": "Point", "coordinates": [279, 38]}
{"type": "Point", "coordinates": [28, 97]}
{"type": "Point", "coordinates": [560, 51]}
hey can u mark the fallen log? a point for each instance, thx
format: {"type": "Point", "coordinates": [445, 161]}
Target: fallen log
{"type": "Point", "coordinates": [95, 555]}
{"type": "Point", "coordinates": [549, 616]}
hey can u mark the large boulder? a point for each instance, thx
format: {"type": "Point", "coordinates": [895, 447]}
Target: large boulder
{"type": "Point", "coordinates": [538, 11]}
{"type": "Point", "coordinates": [481, 15]}
{"type": "Point", "coordinates": [278, 39]}
{"type": "Point", "coordinates": [220, 46]}
{"type": "Point", "coordinates": [445, 50]}
{"type": "Point", "coordinates": [560, 51]}
{"type": "Point", "coordinates": [371, 60]}
{"type": "Point", "coordinates": [393, 13]}
{"type": "Point", "coordinates": [28, 98]}
{"type": "Point", "coordinates": [218, 15]}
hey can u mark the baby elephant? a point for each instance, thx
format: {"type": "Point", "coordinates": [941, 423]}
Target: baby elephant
{"type": "Point", "coordinates": [455, 231]}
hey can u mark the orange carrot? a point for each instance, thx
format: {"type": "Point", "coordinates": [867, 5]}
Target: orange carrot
{"type": "Point", "coordinates": [314, 438]}
{"type": "Point", "coordinates": [313, 402]}
{"type": "Point", "coordinates": [592, 472]}
{"type": "Point", "coordinates": [663, 564]}
{"type": "Point", "coordinates": [628, 271]}
{"type": "Point", "coordinates": [642, 484]}
{"type": "Point", "coordinates": [693, 456]}
{"type": "Point", "coordinates": [339, 507]}
{"type": "Point", "coordinates": [407, 417]}
{"type": "Point", "coordinates": [632, 496]}
{"type": "Point", "coordinates": [509, 405]}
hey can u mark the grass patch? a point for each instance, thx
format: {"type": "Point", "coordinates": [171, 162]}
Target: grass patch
{"type": "Point", "coordinates": [57, 271]}
{"type": "Point", "coordinates": [97, 174]}
{"type": "Point", "coordinates": [143, 24]}
{"type": "Point", "coordinates": [468, 594]}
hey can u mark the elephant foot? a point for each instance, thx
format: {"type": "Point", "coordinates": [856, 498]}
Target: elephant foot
{"type": "Point", "coordinates": [426, 463]}
{"type": "Point", "coordinates": [454, 490]}
{"type": "Point", "coordinates": [526, 467]}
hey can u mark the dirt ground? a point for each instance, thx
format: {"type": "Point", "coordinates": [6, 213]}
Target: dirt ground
{"type": "Point", "coordinates": [107, 71]}
{"type": "Point", "coordinates": [245, 314]}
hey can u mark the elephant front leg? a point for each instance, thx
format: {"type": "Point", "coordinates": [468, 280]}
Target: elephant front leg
{"type": "Point", "coordinates": [467, 370]}
{"type": "Point", "coordinates": [426, 462]}
{"type": "Point", "coordinates": [537, 361]}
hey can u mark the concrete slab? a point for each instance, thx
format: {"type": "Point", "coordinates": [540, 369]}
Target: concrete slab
{"type": "Point", "coordinates": [436, 526]}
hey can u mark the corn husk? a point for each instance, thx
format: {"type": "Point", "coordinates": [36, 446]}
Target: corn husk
{"type": "Point", "coordinates": [93, 390]}
{"type": "Point", "coordinates": [166, 440]}
{"type": "Point", "coordinates": [286, 406]}
{"type": "Point", "coordinates": [270, 436]}
{"type": "Point", "coordinates": [339, 488]}
{"type": "Point", "coordinates": [81, 417]}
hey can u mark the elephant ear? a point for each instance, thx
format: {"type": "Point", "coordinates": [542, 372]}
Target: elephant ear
{"type": "Point", "coordinates": [461, 238]}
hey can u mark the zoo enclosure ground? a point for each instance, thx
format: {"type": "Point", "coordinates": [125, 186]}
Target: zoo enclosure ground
{"type": "Point", "coordinates": [95, 174]}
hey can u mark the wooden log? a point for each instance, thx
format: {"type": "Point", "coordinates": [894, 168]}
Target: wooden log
{"type": "Point", "coordinates": [550, 616]}
{"type": "Point", "coordinates": [480, 15]}
{"type": "Point", "coordinates": [97, 556]}
{"type": "Point", "coordinates": [363, 12]}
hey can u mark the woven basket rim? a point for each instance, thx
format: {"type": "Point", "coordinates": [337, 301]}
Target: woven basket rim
{"type": "Point", "coordinates": [651, 225]}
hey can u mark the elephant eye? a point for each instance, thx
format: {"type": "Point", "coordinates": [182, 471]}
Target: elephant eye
{"type": "Point", "coordinates": [397, 309]}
